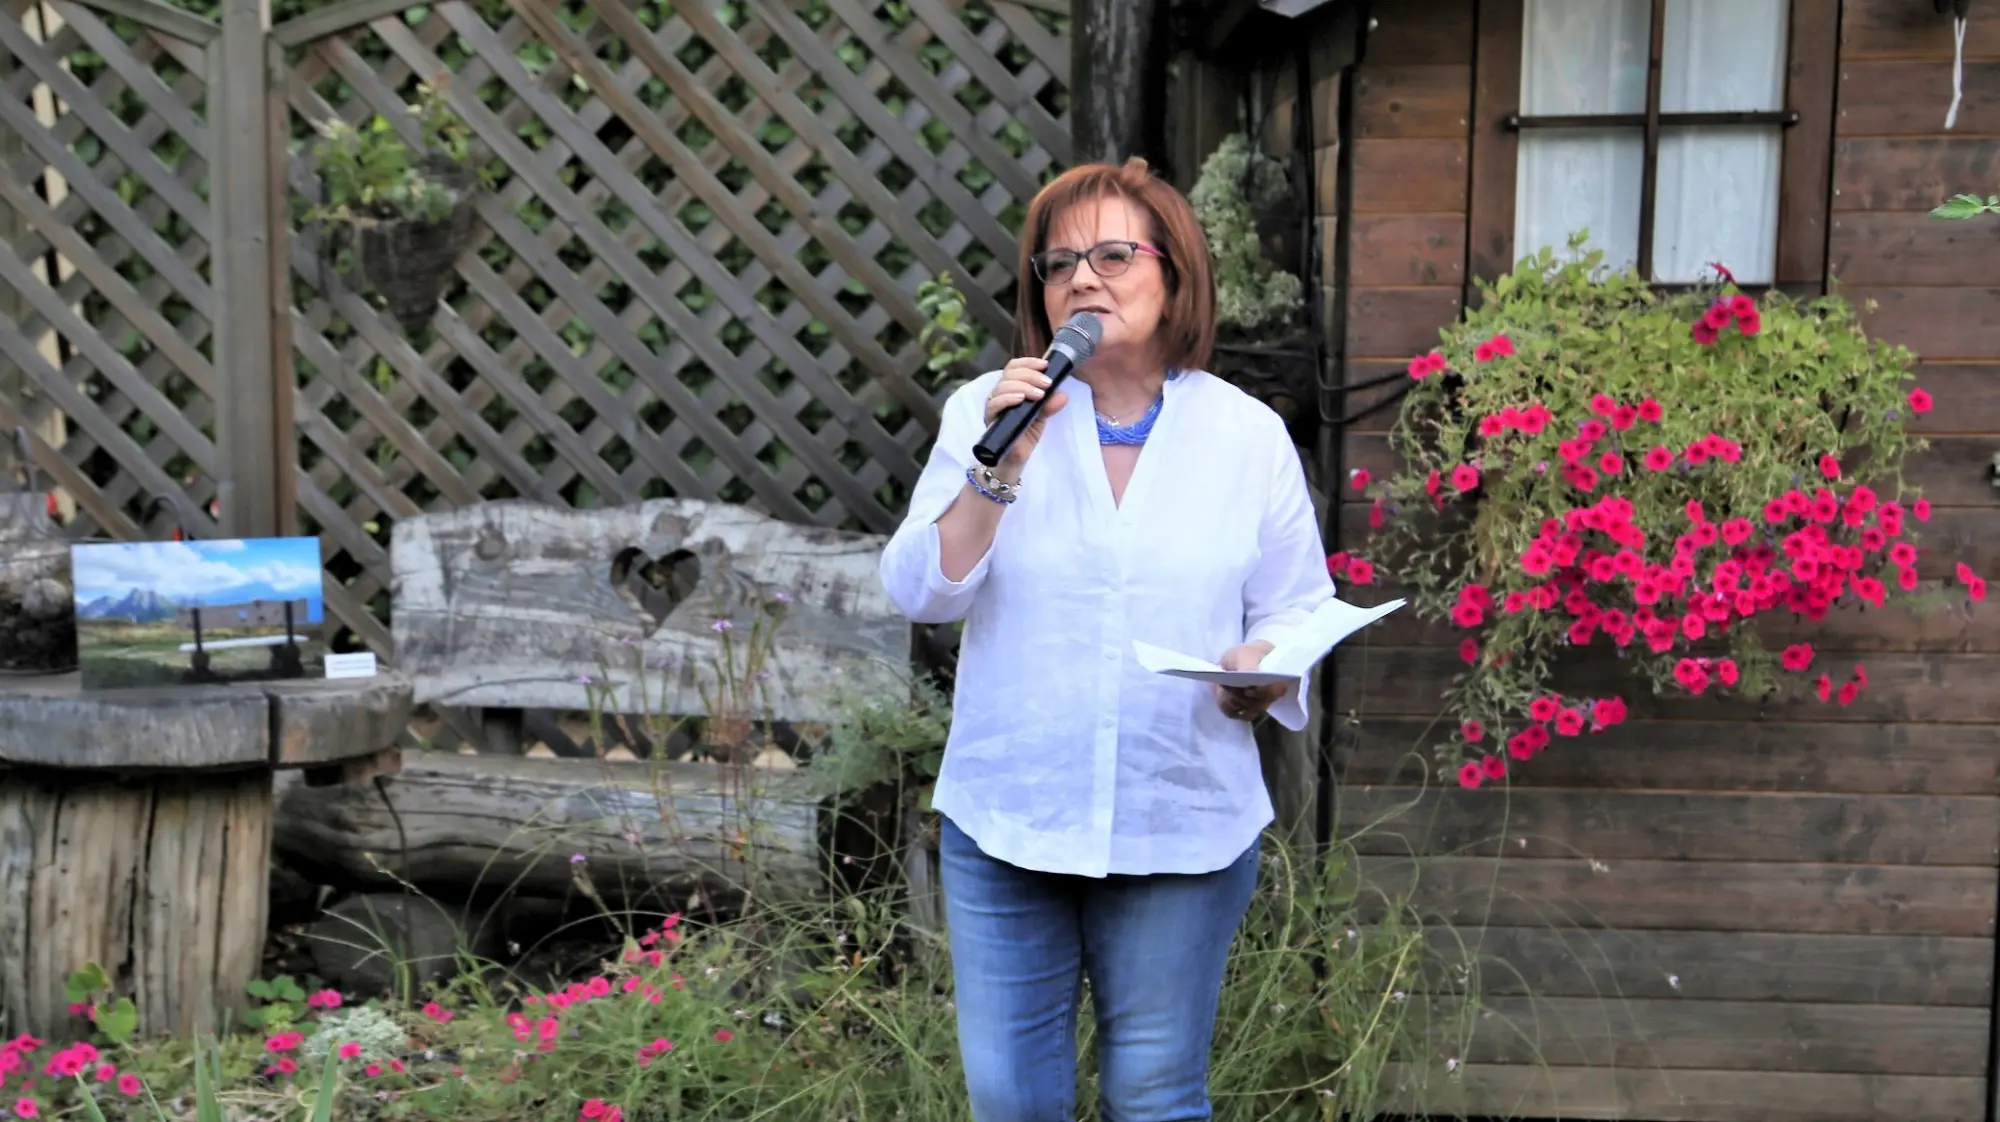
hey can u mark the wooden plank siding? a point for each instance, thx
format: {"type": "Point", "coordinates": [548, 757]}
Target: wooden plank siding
{"type": "Point", "coordinates": [1720, 911]}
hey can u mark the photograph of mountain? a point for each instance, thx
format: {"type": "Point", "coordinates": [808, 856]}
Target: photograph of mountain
{"type": "Point", "coordinates": [165, 613]}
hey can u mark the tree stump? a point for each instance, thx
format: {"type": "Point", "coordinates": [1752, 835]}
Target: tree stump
{"type": "Point", "coordinates": [135, 833]}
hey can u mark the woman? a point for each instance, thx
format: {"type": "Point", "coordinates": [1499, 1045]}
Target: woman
{"type": "Point", "coordinates": [1102, 821]}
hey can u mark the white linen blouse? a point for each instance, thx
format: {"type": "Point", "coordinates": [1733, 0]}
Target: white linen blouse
{"type": "Point", "coordinates": [1064, 755]}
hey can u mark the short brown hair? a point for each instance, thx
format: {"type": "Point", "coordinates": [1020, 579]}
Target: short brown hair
{"type": "Point", "coordinates": [1188, 320]}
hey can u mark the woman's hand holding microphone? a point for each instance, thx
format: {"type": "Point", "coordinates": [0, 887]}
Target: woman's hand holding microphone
{"type": "Point", "coordinates": [1022, 379]}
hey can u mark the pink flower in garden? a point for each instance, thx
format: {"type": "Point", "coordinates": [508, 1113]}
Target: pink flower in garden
{"type": "Point", "coordinates": [1472, 731]}
{"type": "Point", "coordinates": [1497, 347]}
{"type": "Point", "coordinates": [1464, 477]}
{"type": "Point", "coordinates": [1423, 366]}
{"type": "Point", "coordinates": [129, 1084]}
{"type": "Point", "coordinates": [25, 1107]}
{"type": "Point", "coordinates": [350, 1050]}
{"type": "Point", "coordinates": [1920, 401]}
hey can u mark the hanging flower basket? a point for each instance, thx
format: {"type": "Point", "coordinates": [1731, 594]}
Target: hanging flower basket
{"type": "Point", "coordinates": [409, 261]}
{"type": "Point", "coordinates": [402, 209]}
{"type": "Point", "coordinates": [1657, 476]}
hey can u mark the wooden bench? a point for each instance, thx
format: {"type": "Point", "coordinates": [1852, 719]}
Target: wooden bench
{"type": "Point", "coordinates": [509, 613]}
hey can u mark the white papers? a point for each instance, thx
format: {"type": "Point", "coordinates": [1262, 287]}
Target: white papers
{"type": "Point", "coordinates": [1330, 623]}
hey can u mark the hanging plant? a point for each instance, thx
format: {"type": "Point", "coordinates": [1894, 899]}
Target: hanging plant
{"type": "Point", "coordinates": [1595, 466]}
{"type": "Point", "coordinates": [1261, 344]}
{"type": "Point", "coordinates": [1252, 297]}
{"type": "Point", "coordinates": [403, 212]}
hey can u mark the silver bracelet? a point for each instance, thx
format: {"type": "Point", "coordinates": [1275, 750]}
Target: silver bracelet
{"type": "Point", "coordinates": [992, 486]}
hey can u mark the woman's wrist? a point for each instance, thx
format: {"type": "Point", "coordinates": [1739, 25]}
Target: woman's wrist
{"type": "Point", "coordinates": [993, 485]}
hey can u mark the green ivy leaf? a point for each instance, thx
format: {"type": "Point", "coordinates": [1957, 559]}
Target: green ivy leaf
{"type": "Point", "coordinates": [83, 982]}
{"type": "Point", "coordinates": [119, 1021]}
{"type": "Point", "coordinates": [1966, 206]}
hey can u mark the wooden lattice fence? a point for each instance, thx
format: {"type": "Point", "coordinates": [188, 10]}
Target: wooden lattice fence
{"type": "Point", "coordinates": [694, 270]}
{"type": "Point", "coordinates": [106, 294]}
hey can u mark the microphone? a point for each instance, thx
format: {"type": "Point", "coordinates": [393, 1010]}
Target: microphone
{"type": "Point", "coordinates": [1075, 342]}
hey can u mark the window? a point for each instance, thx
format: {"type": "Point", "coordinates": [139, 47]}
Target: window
{"type": "Point", "coordinates": [1658, 125]}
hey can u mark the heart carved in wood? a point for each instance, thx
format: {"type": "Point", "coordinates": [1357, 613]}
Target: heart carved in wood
{"type": "Point", "coordinates": [654, 586]}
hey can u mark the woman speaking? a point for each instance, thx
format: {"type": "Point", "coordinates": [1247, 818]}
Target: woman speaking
{"type": "Point", "coordinates": [1101, 821]}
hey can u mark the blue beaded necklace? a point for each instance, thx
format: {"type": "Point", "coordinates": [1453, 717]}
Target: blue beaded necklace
{"type": "Point", "coordinates": [1137, 431]}
{"type": "Point", "coordinates": [1134, 433]}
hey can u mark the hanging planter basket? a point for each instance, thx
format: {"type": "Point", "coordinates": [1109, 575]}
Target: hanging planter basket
{"type": "Point", "coordinates": [409, 261]}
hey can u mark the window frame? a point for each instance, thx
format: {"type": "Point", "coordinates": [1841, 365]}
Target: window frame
{"type": "Point", "coordinates": [1806, 141]}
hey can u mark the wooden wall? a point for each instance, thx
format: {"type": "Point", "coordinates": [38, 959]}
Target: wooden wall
{"type": "Point", "coordinates": [1721, 911]}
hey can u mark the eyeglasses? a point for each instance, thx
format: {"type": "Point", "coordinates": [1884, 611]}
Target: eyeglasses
{"type": "Point", "coordinates": [1107, 259]}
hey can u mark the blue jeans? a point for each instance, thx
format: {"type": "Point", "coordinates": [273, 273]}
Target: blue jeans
{"type": "Point", "coordinates": [1153, 947]}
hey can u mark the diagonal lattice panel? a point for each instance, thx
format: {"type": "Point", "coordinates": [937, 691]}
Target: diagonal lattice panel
{"type": "Point", "coordinates": [695, 265]}
{"type": "Point", "coordinates": [104, 288]}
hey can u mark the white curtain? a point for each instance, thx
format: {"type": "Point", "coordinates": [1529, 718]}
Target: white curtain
{"type": "Point", "coordinates": [1718, 187]}
{"type": "Point", "coordinates": [1717, 194]}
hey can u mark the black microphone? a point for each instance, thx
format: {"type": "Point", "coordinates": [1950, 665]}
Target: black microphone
{"type": "Point", "coordinates": [1075, 342]}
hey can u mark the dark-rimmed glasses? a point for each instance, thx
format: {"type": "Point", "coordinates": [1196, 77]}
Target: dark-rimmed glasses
{"type": "Point", "coordinates": [1107, 260]}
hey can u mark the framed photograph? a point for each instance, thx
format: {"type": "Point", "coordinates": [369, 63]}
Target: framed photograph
{"type": "Point", "coordinates": [174, 613]}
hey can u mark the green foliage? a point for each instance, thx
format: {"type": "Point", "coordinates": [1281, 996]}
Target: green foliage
{"type": "Point", "coordinates": [372, 173]}
{"type": "Point", "coordinates": [117, 1018]}
{"type": "Point", "coordinates": [1236, 181]}
{"type": "Point", "coordinates": [884, 739]}
{"type": "Point", "coordinates": [1797, 383]}
{"type": "Point", "coordinates": [950, 337]}
{"type": "Point", "coordinates": [1967, 206]}
{"type": "Point", "coordinates": [817, 1010]}
{"type": "Point", "coordinates": [280, 1000]}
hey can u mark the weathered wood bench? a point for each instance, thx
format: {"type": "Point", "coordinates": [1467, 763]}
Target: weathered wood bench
{"type": "Point", "coordinates": [510, 608]}
{"type": "Point", "coordinates": [135, 829]}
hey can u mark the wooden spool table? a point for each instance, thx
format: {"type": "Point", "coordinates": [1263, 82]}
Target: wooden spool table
{"type": "Point", "coordinates": [135, 833]}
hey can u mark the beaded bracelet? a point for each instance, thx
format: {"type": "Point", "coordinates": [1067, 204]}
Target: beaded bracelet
{"type": "Point", "coordinates": [991, 486]}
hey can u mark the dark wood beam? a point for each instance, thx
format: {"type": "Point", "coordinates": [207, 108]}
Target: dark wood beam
{"type": "Point", "coordinates": [1118, 80]}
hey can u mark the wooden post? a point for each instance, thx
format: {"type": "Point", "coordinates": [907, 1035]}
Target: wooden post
{"type": "Point", "coordinates": [247, 433]}
{"type": "Point", "coordinates": [1118, 80]}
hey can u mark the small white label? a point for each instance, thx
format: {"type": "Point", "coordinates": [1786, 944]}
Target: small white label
{"type": "Point", "coordinates": [360, 664]}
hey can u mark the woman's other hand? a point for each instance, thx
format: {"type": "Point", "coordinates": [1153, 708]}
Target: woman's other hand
{"type": "Point", "coordinates": [1246, 703]}
{"type": "Point", "coordinates": [1022, 380]}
